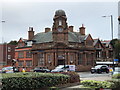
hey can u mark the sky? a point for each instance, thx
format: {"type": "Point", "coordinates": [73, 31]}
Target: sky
{"type": "Point", "coordinates": [18, 15]}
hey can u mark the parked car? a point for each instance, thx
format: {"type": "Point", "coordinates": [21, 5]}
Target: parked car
{"type": "Point", "coordinates": [100, 69]}
{"type": "Point", "coordinates": [62, 68]}
{"type": "Point", "coordinates": [41, 69]}
{"type": "Point", "coordinates": [9, 69]}
{"type": "Point", "coordinates": [116, 71]}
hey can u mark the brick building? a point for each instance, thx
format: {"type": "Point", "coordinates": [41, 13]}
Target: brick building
{"type": "Point", "coordinates": [104, 51]}
{"type": "Point", "coordinates": [23, 54]}
{"type": "Point", "coordinates": [58, 45]}
{"type": "Point", "coordinates": [7, 53]}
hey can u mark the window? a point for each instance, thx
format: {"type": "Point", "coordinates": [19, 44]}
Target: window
{"type": "Point", "coordinates": [29, 63]}
{"type": "Point", "coordinates": [40, 59]}
{"type": "Point", "coordinates": [28, 54]}
{"type": "Point", "coordinates": [80, 58]}
{"type": "Point", "coordinates": [20, 44]}
{"type": "Point", "coordinates": [20, 54]}
{"type": "Point", "coordinates": [98, 53]}
{"type": "Point", "coordinates": [60, 22]}
{"type": "Point", "coordinates": [9, 49]}
{"type": "Point", "coordinates": [9, 56]}
{"type": "Point", "coordinates": [88, 56]}
{"type": "Point", "coordinates": [71, 58]}
{"type": "Point", "coordinates": [20, 63]}
{"type": "Point", "coordinates": [49, 59]}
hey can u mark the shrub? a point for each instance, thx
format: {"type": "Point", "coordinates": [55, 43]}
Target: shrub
{"type": "Point", "coordinates": [32, 80]}
{"type": "Point", "coordinates": [97, 84]}
{"type": "Point", "coordinates": [116, 76]}
{"type": "Point", "coordinates": [74, 77]}
{"type": "Point", "coordinates": [116, 83]}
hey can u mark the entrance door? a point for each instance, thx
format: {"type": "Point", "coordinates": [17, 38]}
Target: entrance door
{"type": "Point", "coordinates": [61, 62]}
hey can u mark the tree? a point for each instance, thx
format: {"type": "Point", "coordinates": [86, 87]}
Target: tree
{"type": "Point", "coordinates": [113, 42]}
{"type": "Point", "coordinates": [116, 48]}
{"type": "Point", "coordinates": [13, 42]}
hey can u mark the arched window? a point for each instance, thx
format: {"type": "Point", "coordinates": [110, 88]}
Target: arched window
{"type": "Point", "coordinates": [60, 22]}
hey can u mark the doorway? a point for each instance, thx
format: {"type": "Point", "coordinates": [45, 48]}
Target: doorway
{"type": "Point", "coordinates": [61, 62]}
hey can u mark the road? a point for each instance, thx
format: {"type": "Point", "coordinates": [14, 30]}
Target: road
{"type": "Point", "coordinates": [95, 76]}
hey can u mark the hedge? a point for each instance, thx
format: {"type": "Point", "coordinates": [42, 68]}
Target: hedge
{"type": "Point", "coordinates": [116, 84]}
{"type": "Point", "coordinates": [74, 77]}
{"type": "Point", "coordinates": [116, 76]}
{"type": "Point", "coordinates": [32, 80]}
{"type": "Point", "coordinates": [97, 84]}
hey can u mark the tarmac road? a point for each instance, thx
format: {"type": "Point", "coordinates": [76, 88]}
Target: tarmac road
{"type": "Point", "coordinates": [95, 76]}
{"type": "Point", "coordinates": [89, 76]}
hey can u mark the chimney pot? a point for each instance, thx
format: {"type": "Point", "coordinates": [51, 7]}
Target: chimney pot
{"type": "Point", "coordinates": [47, 30]}
{"type": "Point", "coordinates": [82, 30]}
{"type": "Point", "coordinates": [30, 33]}
{"type": "Point", "coordinates": [71, 28]}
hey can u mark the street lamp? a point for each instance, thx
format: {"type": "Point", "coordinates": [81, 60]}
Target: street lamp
{"type": "Point", "coordinates": [111, 19]}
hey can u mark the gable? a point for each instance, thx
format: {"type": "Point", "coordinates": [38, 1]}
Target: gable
{"type": "Point", "coordinates": [89, 40]}
{"type": "Point", "coordinates": [98, 44]}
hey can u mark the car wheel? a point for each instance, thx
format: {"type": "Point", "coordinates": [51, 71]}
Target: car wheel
{"type": "Point", "coordinates": [99, 71]}
{"type": "Point", "coordinates": [92, 72]}
{"type": "Point", "coordinates": [107, 71]}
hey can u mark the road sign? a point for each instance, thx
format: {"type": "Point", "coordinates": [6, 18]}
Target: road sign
{"type": "Point", "coordinates": [116, 60]}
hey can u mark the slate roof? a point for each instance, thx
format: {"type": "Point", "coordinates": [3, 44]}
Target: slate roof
{"type": "Point", "coordinates": [95, 42]}
{"type": "Point", "coordinates": [47, 37]}
{"type": "Point", "coordinates": [43, 37]}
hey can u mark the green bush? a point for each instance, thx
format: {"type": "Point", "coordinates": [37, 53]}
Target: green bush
{"type": "Point", "coordinates": [116, 76]}
{"type": "Point", "coordinates": [97, 84]}
{"type": "Point", "coordinates": [74, 77]}
{"type": "Point", "coordinates": [32, 80]}
{"type": "Point", "coordinates": [116, 83]}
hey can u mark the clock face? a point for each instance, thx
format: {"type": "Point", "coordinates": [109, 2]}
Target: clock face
{"type": "Point", "coordinates": [60, 29]}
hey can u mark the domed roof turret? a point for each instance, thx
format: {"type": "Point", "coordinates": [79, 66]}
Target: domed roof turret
{"type": "Point", "coordinates": [60, 13]}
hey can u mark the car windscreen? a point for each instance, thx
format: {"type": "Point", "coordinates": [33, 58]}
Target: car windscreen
{"type": "Point", "coordinates": [7, 68]}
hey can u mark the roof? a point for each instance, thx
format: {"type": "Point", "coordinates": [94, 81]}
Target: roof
{"type": "Point", "coordinates": [60, 13]}
{"type": "Point", "coordinates": [95, 42]}
{"type": "Point", "coordinates": [106, 42]}
{"type": "Point", "coordinates": [43, 37]}
{"type": "Point", "coordinates": [76, 37]}
{"type": "Point", "coordinates": [47, 37]}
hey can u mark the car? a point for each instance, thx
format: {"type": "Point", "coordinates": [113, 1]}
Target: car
{"type": "Point", "coordinates": [116, 71]}
{"type": "Point", "coordinates": [63, 68]}
{"type": "Point", "coordinates": [41, 69]}
{"type": "Point", "coordinates": [9, 69]}
{"type": "Point", "coordinates": [100, 69]}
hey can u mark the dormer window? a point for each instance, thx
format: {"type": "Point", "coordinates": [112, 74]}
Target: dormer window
{"type": "Point", "coordinates": [60, 22]}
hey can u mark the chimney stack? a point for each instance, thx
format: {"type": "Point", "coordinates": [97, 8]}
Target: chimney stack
{"type": "Point", "coordinates": [30, 33]}
{"type": "Point", "coordinates": [47, 30]}
{"type": "Point", "coordinates": [71, 28]}
{"type": "Point", "coordinates": [82, 30]}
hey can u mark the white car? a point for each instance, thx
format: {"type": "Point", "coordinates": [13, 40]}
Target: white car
{"type": "Point", "coordinates": [63, 68]}
{"type": "Point", "coordinates": [116, 71]}
{"type": "Point", "coordinates": [9, 69]}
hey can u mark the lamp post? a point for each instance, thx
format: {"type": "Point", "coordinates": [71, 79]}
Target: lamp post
{"type": "Point", "coordinates": [111, 19]}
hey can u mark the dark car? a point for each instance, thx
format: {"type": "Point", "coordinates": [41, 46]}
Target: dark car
{"type": "Point", "coordinates": [100, 69]}
{"type": "Point", "coordinates": [41, 69]}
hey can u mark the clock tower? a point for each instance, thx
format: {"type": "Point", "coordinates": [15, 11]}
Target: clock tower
{"type": "Point", "coordinates": [60, 27]}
